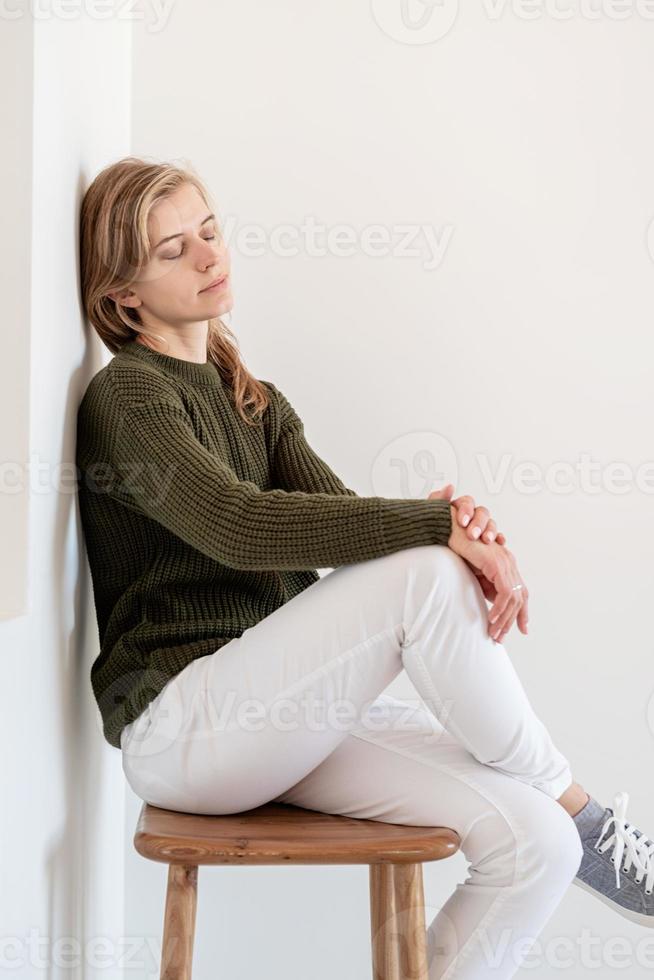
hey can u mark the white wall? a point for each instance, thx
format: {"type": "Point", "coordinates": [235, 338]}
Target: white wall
{"type": "Point", "coordinates": [16, 77]}
{"type": "Point", "coordinates": [61, 820]}
{"type": "Point", "coordinates": [526, 147]}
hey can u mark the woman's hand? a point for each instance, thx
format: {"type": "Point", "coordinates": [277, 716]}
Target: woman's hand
{"type": "Point", "coordinates": [480, 525]}
{"type": "Point", "coordinates": [496, 569]}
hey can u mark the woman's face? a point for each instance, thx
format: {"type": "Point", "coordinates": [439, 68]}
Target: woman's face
{"type": "Point", "coordinates": [188, 253]}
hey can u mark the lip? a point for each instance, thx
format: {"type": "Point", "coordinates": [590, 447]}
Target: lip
{"type": "Point", "coordinates": [216, 284]}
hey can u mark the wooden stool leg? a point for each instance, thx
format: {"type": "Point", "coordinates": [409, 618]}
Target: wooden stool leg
{"type": "Point", "coordinates": [179, 922]}
{"type": "Point", "coordinates": [397, 918]}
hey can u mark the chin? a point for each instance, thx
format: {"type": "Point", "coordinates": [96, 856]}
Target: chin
{"type": "Point", "coordinates": [223, 304]}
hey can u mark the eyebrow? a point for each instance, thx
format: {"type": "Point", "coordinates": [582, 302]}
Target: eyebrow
{"type": "Point", "coordinates": [179, 234]}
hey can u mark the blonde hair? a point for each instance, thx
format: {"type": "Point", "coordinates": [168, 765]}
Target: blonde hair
{"type": "Point", "coordinates": [115, 248]}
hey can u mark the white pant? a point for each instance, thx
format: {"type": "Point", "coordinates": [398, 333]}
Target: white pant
{"type": "Point", "coordinates": [293, 711]}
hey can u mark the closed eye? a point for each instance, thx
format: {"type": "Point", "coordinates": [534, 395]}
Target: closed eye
{"type": "Point", "coordinates": [210, 238]}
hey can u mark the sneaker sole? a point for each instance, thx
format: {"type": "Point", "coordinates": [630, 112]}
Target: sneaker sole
{"type": "Point", "coordinates": [638, 917]}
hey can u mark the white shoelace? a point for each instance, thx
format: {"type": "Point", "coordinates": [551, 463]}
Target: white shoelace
{"type": "Point", "coordinates": [639, 850]}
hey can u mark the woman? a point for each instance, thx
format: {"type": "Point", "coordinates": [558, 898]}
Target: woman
{"type": "Point", "coordinates": [232, 674]}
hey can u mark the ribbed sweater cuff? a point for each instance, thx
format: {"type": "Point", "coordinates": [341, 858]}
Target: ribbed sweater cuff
{"type": "Point", "coordinates": [410, 522]}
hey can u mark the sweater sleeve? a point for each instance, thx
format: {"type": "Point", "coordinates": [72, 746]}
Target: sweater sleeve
{"type": "Point", "coordinates": [295, 464]}
{"type": "Point", "coordinates": [161, 469]}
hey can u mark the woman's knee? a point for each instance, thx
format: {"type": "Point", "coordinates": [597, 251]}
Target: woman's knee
{"type": "Point", "coordinates": [436, 561]}
{"type": "Point", "coordinates": [437, 571]}
{"type": "Point", "coordinates": [530, 838]}
{"type": "Point", "coordinates": [553, 848]}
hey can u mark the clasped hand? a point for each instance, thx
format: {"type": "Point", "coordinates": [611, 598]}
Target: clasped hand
{"type": "Point", "coordinates": [484, 550]}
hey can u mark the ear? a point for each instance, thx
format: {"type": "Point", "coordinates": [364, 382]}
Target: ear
{"type": "Point", "coordinates": [126, 297]}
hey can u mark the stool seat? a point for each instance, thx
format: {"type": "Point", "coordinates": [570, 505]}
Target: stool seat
{"type": "Point", "coordinates": [279, 833]}
{"type": "Point", "coordinates": [283, 834]}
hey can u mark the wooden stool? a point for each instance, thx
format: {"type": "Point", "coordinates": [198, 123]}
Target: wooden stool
{"type": "Point", "coordinates": [278, 833]}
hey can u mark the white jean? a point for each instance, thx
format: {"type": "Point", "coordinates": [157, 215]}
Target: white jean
{"type": "Point", "coordinates": [293, 711]}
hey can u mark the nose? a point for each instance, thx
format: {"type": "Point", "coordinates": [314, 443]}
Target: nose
{"type": "Point", "coordinates": [209, 253]}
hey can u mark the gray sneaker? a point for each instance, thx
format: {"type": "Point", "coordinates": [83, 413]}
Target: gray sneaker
{"type": "Point", "coordinates": [627, 850]}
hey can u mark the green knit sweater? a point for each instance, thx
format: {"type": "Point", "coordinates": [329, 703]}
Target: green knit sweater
{"type": "Point", "coordinates": [197, 525]}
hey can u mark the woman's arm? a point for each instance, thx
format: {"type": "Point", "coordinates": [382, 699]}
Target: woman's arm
{"type": "Point", "coordinates": [295, 464]}
{"type": "Point", "coordinates": [162, 470]}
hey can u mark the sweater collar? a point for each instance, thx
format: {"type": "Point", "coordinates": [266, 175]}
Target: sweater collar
{"type": "Point", "coordinates": [177, 367]}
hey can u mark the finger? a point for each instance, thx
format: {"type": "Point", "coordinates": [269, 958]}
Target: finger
{"type": "Point", "coordinates": [509, 625]}
{"type": "Point", "coordinates": [504, 595]}
{"type": "Point", "coordinates": [523, 615]}
{"type": "Point", "coordinates": [501, 538]}
{"type": "Point", "coordinates": [505, 576]}
{"type": "Point", "coordinates": [522, 599]}
{"type": "Point", "coordinates": [490, 532]}
{"type": "Point", "coordinates": [465, 508]}
{"type": "Point", "coordinates": [504, 623]}
{"type": "Point", "coordinates": [443, 494]}
{"type": "Point", "coordinates": [478, 523]}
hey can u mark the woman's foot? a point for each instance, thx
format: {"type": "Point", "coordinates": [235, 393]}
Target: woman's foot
{"type": "Point", "coordinates": [613, 848]}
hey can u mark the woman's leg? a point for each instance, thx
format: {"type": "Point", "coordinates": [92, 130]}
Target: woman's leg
{"type": "Point", "coordinates": [238, 727]}
{"type": "Point", "coordinates": [522, 848]}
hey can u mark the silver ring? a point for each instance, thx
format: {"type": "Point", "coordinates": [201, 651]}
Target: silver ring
{"type": "Point", "coordinates": [516, 587]}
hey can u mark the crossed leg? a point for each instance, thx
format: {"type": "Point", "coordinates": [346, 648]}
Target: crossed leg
{"type": "Point", "coordinates": [400, 765]}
